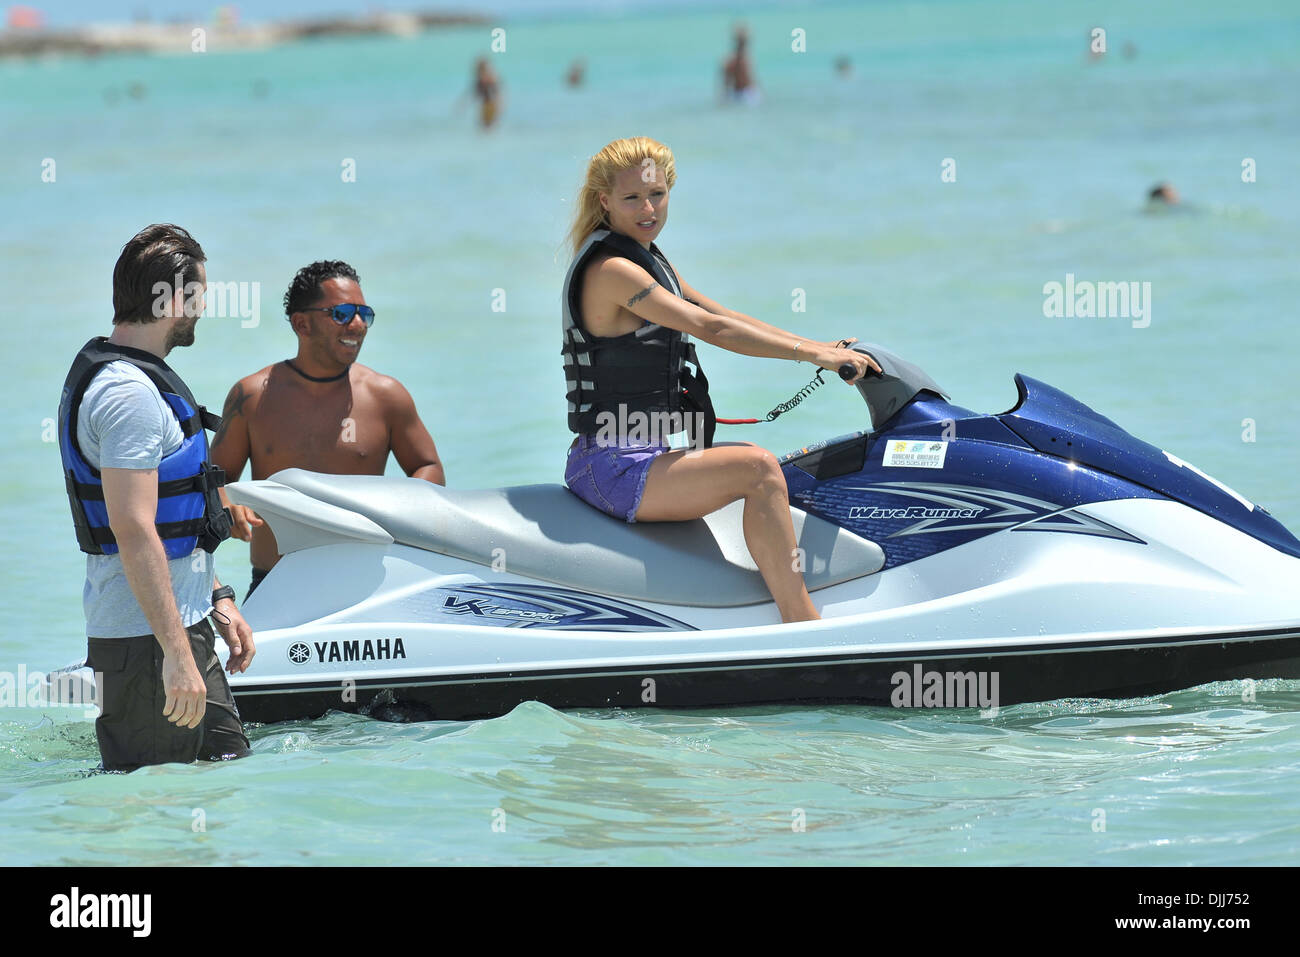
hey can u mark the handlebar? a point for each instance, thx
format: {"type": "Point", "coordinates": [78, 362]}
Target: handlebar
{"type": "Point", "coordinates": [847, 372]}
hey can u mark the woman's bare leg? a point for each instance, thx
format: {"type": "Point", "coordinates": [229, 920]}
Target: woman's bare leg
{"type": "Point", "coordinates": [689, 484]}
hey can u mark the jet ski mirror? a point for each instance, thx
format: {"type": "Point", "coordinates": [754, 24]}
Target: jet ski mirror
{"type": "Point", "coordinates": [899, 384]}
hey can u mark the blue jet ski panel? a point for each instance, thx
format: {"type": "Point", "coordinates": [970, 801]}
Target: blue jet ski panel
{"type": "Point", "coordinates": [1057, 424]}
{"type": "Point", "coordinates": [968, 488]}
{"type": "Point", "coordinates": [938, 475]}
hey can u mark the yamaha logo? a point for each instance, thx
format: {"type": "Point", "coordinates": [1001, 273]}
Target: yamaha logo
{"type": "Point", "coordinates": [299, 653]}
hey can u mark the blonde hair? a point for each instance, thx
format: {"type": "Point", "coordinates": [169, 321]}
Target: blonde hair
{"type": "Point", "coordinates": [617, 156]}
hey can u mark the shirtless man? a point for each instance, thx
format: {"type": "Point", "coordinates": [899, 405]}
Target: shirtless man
{"type": "Point", "coordinates": [321, 410]}
{"type": "Point", "coordinates": [738, 82]}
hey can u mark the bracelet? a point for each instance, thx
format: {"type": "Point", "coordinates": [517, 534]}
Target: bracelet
{"type": "Point", "coordinates": [796, 351]}
{"type": "Point", "coordinates": [225, 591]}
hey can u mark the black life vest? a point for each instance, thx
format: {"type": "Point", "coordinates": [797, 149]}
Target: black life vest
{"type": "Point", "coordinates": [189, 512]}
{"type": "Point", "coordinates": [644, 372]}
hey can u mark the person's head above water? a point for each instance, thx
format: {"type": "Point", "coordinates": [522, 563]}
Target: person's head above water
{"type": "Point", "coordinates": [310, 306]}
{"type": "Point", "coordinates": [1163, 193]}
{"type": "Point", "coordinates": [626, 190]}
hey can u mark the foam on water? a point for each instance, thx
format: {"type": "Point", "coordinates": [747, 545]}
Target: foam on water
{"type": "Point", "coordinates": [846, 784]}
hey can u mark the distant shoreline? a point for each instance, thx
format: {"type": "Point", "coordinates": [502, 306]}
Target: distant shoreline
{"type": "Point", "coordinates": [179, 37]}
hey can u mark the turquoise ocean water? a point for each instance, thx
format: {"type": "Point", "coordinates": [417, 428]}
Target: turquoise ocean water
{"type": "Point", "coordinates": [832, 186]}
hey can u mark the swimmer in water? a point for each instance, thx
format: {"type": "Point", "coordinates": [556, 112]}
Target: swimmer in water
{"type": "Point", "coordinates": [738, 81]}
{"type": "Point", "coordinates": [577, 73]}
{"type": "Point", "coordinates": [487, 88]}
{"type": "Point", "coordinates": [1163, 194]}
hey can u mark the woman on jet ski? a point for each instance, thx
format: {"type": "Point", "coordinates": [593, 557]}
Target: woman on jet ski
{"type": "Point", "coordinates": [627, 356]}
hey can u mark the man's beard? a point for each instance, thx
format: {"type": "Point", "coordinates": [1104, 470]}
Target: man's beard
{"type": "Point", "coordinates": [181, 334]}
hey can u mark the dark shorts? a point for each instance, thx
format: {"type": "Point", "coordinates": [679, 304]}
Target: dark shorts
{"type": "Point", "coordinates": [131, 729]}
{"type": "Point", "coordinates": [608, 477]}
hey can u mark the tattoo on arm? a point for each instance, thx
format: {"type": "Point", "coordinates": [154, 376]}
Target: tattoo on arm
{"type": "Point", "coordinates": [642, 294]}
{"type": "Point", "coordinates": [234, 406]}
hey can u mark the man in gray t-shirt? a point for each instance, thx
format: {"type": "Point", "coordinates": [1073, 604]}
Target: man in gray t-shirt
{"type": "Point", "coordinates": [125, 424]}
{"type": "Point", "coordinates": [145, 504]}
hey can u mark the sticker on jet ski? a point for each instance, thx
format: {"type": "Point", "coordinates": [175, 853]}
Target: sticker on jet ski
{"type": "Point", "coordinates": [909, 454]}
{"type": "Point", "coordinates": [546, 606]}
{"type": "Point", "coordinates": [958, 508]}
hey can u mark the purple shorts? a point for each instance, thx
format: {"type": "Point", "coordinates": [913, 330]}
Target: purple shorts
{"type": "Point", "coordinates": [610, 477]}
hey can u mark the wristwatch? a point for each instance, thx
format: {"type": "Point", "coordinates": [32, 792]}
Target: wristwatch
{"type": "Point", "coordinates": [225, 591]}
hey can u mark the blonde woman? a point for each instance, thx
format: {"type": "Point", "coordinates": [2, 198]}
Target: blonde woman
{"type": "Point", "coordinates": [628, 363]}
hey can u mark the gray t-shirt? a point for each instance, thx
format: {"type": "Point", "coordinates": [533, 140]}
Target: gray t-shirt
{"type": "Point", "coordinates": [125, 423]}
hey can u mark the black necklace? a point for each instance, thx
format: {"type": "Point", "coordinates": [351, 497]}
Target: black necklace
{"type": "Point", "coordinates": [317, 378]}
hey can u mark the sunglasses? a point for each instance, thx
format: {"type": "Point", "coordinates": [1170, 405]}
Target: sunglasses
{"type": "Point", "coordinates": [342, 314]}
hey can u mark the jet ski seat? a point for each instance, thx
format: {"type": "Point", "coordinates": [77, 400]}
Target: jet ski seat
{"type": "Point", "coordinates": [546, 532]}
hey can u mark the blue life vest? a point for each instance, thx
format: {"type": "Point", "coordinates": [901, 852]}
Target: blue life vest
{"type": "Point", "coordinates": [644, 371]}
{"type": "Point", "coordinates": [189, 513]}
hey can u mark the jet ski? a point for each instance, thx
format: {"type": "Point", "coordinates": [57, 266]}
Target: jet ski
{"type": "Point", "coordinates": [957, 559]}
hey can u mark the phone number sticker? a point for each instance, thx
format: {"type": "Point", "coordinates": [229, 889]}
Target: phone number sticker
{"type": "Point", "coordinates": [910, 454]}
